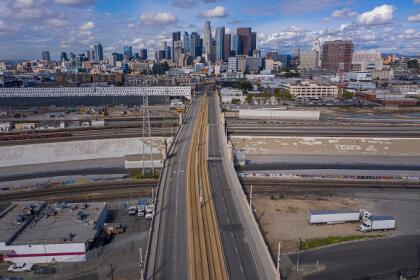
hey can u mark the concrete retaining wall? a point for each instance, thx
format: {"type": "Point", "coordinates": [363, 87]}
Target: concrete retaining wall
{"type": "Point", "coordinates": [76, 150]}
{"type": "Point", "coordinates": [278, 114]}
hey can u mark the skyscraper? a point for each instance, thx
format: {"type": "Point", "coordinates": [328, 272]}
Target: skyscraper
{"type": "Point", "coordinates": [245, 39]}
{"type": "Point", "coordinates": [337, 55]}
{"type": "Point", "coordinates": [253, 42]}
{"type": "Point", "coordinates": [176, 36]}
{"type": "Point", "coordinates": [195, 45]}
{"type": "Point", "coordinates": [46, 56]}
{"type": "Point", "coordinates": [220, 43]}
{"type": "Point", "coordinates": [207, 41]}
{"type": "Point", "coordinates": [235, 47]}
{"type": "Point", "coordinates": [128, 52]}
{"type": "Point", "coordinates": [177, 51]}
{"type": "Point", "coordinates": [318, 48]}
{"type": "Point", "coordinates": [99, 52]}
{"type": "Point", "coordinates": [227, 47]}
{"type": "Point", "coordinates": [143, 54]}
{"type": "Point", "coordinates": [186, 42]}
{"type": "Point", "coordinates": [63, 56]}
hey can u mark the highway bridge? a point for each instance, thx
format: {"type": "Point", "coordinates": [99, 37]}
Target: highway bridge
{"type": "Point", "coordinates": [203, 227]}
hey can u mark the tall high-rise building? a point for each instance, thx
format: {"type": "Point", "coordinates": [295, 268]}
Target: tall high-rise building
{"type": "Point", "coordinates": [253, 42]}
{"type": "Point", "coordinates": [337, 55]}
{"type": "Point", "coordinates": [317, 46]}
{"type": "Point", "coordinates": [176, 36]}
{"type": "Point", "coordinates": [186, 42]}
{"type": "Point", "coordinates": [99, 52]}
{"type": "Point", "coordinates": [220, 43]}
{"type": "Point", "coordinates": [177, 51]}
{"type": "Point", "coordinates": [46, 56]}
{"type": "Point", "coordinates": [308, 60]}
{"type": "Point", "coordinates": [128, 53]}
{"type": "Point", "coordinates": [245, 39]}
{"type": "Point", "coordinates": [207, 41]}
{"type": "Point", "coordinates": [143, 54]}
{"type": "Point", "coordinates": [195, 45]}
{"type": "Point", "coordinates": [226, 47]}
{"type": "Point", "coordinates": [63, 56]}
{"type": "Point", "coordinates": [163, 45]}
{"type": "Point", "coordinates": [235, 48]}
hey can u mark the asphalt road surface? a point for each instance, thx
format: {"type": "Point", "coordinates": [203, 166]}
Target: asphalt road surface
{"type": "Point", "coordinates": [171, 261]}
{"type": "Point", "coordinates": [238, 255]}
{"type": "Point", "coordinates": [364, 259]}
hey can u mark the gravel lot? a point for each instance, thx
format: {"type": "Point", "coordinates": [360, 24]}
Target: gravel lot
{"type": "Point", "coordinates": [286, 220]}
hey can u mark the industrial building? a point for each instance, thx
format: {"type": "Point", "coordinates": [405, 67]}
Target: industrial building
{"type": "Point", "coordinates": [37, 232]}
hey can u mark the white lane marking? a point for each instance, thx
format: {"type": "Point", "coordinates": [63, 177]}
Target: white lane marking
{"type": "Point", "coordinates": [241, 268]}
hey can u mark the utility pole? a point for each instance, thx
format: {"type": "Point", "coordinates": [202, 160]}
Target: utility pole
{"type": "Point", "coordinates": [298, 255]}
{"type": "Point", "coordinates": [250, 199]}
{"type": "Point", "coordinates": [141, 265]}
{"type": "Point", "coordinates": [278, 257]}
{"type": "Point", "coordinates": [146, 132]}
{"type": "Point", "coordinates": [111, 271]}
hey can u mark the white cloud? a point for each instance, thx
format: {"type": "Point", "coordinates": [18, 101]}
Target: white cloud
{"type": "Point", "coordinates": [379, 15]}
{"type": "Point", "coordinates": [161, 18]}
{"type": "Point", "coordinates": [416, 1]}
{"type": "Point", "coordinates": [56, 23]}
{"type": "Point", "coordinates": [75, 3]}
{"type": "Point", "coordinates": [343, 13]}
{"type": "Point", "coordinates": [3, 26]}
{"type": "Point", "coordinates": [87, 26]}
{"type": "Point", "coordinates": [218, 11]}
{"type": "Point", "coordinates": [414, 18]}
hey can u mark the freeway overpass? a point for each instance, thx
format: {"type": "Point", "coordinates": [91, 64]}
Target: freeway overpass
{"type": "Point", "coordinates": [180, 246]}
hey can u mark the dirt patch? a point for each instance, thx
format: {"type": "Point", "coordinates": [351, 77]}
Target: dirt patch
{"type": "Point", "coordinates": [287, 220]}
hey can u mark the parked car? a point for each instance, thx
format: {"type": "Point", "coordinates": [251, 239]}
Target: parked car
{"type": "Point", "coordinates": [132, 210]}
{"type": "Point", "coordinates": [24, 267]}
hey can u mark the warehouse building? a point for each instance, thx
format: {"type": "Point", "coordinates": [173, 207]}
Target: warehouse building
{"type": "Point", "coordinates": [37, 232]}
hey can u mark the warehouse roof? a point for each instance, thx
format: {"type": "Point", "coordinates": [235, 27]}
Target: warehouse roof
{"type": "Point", "coordinates": [337, 211]}
{"type": "Point", "coordinates": [50, 224]}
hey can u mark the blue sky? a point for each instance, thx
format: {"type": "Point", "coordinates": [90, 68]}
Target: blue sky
{"type": "Point", "coordinates": [29, 26]}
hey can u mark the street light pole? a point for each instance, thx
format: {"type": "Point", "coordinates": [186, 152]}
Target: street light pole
{"type": "Point", "coordinates": [298, 255]}
{"type": "Point", "coordinates": [141, 265]}
{"type": "Point", "coordinates": [278, 257]}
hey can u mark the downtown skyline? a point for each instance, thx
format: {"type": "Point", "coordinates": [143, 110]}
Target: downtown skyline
{"type": "Point", "coordinates": [28, 27]}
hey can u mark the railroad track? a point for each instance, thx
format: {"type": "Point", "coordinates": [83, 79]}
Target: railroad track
{"type": "Point", "coordinates": [82, 192]}
{"type": "Point", "coordinates": [206, 259]}
{"type": "Point", "coordinates": [274, 186]}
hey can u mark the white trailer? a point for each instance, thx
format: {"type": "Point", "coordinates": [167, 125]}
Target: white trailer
{"type": "Point", "coordinates": [377, 223]}
{"type": "Point", "coordinates": [333, 216]}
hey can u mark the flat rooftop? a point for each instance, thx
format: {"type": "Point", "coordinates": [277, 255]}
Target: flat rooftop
{"type": "Point", "coordinates": [42, 223]}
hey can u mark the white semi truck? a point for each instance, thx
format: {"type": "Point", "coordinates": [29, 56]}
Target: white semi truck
{"type": "Point", "coordinates": [377, 223]}
{"type": "Point", "coordinates": [333, 216]}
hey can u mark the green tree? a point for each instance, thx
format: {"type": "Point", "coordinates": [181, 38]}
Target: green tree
{"type": "Point", "coordinates": [235, 101]}
{"type": "Point", "coordinates": [249, 98]}
{"type": "Point", "coordinates": [348, 94]}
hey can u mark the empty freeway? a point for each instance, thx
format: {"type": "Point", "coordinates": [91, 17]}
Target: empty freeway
{"type": "Point", "coordinates": [177, 227]}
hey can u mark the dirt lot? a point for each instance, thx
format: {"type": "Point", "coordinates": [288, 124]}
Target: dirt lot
{"type": "Point", "coordinates": [286, 220]}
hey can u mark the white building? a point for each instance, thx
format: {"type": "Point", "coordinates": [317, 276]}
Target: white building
{"type": "Point", "coordinates": [228, 94]}
{"type": "Point", "coordinates": [311, 90]}
{"type": "Point", "coordinates": [232, 65]}
{"type": "Point", "coordinates": [367, 61]}
{"type": "Point", "coordinates": [308, 60]}
{"type": "Point", "coordinates": [34, 232]}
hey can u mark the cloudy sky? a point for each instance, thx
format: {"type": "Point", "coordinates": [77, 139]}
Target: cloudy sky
{"type": "Point", "coordinates": [29, 26]}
